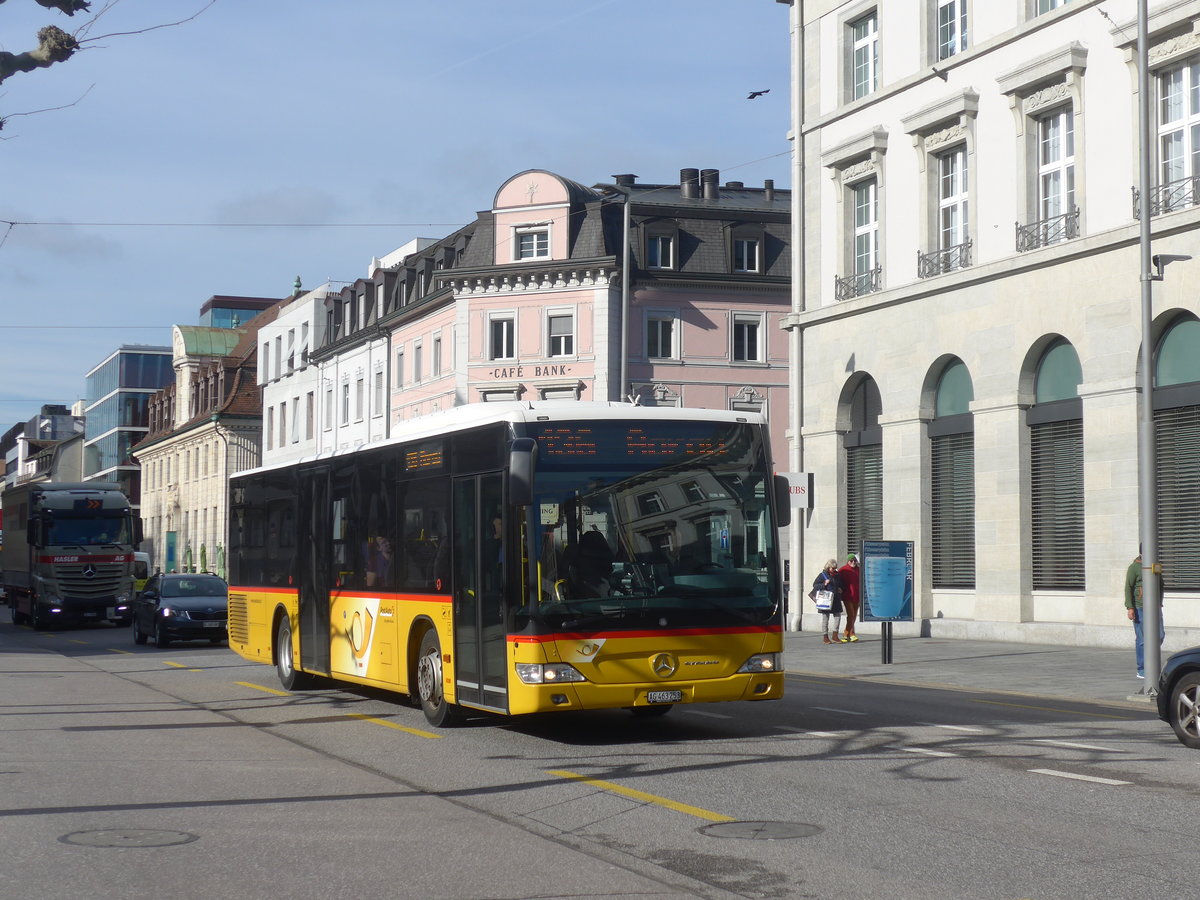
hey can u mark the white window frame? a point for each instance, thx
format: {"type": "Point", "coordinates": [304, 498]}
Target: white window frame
{"type": "Point", "coordinates": [329, 408]}
{"type": "Point", "coordinates": [950, 28]}
{"type": "Point", "coordinates": [655, 318]}
{"type": "Point", "coordinates": [435, 359]}
{"type": "Point", "coordinates": [507, 324]}
{"type": "Point", "coordinates": [560, 345]}
{"type": "Point", "coordinates": [743, 249]}
{"type": "Point", "coordinates": [538, 236]}
{"type": "Point", "coordinates": [295, 420]}
{"type": "Point", "coordinates": [953, 198]}
{"type": "Point", "coordinates": [270, 429]}
{"type": "Point", "coordinates": [377, 394]}
{"type": "Point", "coordinates": [656, 258]}
{"type": "Point", "coordinates": [752, 350]}
{"type": "Point", "coordinates": [398, 372]}
{"type": "Point", "coordinates": [864, 55]}
{"type": "Point", "coordinates": [1056, 163]}
{"type": "Point", "coordinates": [864, 224]}
{"type": "Point", "coordinates": [418, 362]}
{"type": "Point", "coordinates": [1179, 121]}
{"type": "Point", "coordinates": [345, 402]}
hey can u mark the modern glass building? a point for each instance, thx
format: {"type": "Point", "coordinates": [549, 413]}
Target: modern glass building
{"type": "Point", "coordinates": [224, 311]}
{"type": "Point", "coordinates": [117, 392]}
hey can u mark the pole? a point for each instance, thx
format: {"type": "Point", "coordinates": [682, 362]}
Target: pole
{"type": "Point", "coordinates": [1147, 509]}
{"type": "Point", "coordinates": [623, 392]}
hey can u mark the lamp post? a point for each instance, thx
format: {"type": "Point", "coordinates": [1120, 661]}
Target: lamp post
{"type": "Point", "coordinates": [1147, 458]}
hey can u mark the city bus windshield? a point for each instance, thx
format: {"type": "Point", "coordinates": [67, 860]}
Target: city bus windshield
{"type": "Point", "coordinates": [65, 530]}
{"type": "Point", "coordinates": [653, 524]}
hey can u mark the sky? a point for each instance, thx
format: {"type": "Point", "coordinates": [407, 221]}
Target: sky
{"type": "Point", "coordinates": [263, 140]}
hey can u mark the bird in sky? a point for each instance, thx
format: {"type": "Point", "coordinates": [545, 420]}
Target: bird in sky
{"type": "Point", "coordinates": [754, 94]}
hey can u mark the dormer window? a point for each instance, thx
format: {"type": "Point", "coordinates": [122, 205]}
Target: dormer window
{"type": "Point", "coordinates": [660, 251]}
{"type": "Point", "coordinates": [532, 243]}
{"type": "Point", "coordinates": [746, 255]}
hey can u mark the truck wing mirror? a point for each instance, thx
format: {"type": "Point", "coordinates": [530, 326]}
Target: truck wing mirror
{"type": "Point", "coordinates": [137, 531]}
{"type": "Point", "coordinates": [522, 460]}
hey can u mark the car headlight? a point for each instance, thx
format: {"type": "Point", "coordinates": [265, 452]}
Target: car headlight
{"type": "Point", "coordinates": [171, 612]}
{"type": "Point", "coordinates": [763, 662]}
{"type": "Point", "coordinates": [548, 673]}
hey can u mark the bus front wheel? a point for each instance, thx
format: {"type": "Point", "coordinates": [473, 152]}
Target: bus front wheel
{"type": "Point", "coordinates": [285, 663]}
{"type": "Point", "coordinates": [430, 687]}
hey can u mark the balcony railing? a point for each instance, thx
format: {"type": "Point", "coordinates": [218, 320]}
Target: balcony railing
{"type": "Point", "coordinates": [1169, 197]}
{"type": "Point", "coordinates": [938, 262]}
{"type": "Point", "coordinates": [1048, 231]}
{"type": "Point", "coordinates": [857, 285]}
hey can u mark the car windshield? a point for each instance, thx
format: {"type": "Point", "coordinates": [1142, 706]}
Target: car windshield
{"type": "Point", "coordinates": [194, 586]}
{"type": "Point", "coordinates": [654, 525]}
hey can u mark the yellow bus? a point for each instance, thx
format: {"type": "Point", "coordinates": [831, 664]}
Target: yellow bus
{"type": "Point", "coordinates": [515, 558]}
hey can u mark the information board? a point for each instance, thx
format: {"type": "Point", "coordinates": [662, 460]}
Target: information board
{"type": "Point", "coordinates": [886, 586]}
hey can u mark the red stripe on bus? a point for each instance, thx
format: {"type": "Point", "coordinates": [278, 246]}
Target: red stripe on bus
{"type": "Point", "coordinates": [668, 632]}
{"type": "Point", "coordinates": [84, 558]}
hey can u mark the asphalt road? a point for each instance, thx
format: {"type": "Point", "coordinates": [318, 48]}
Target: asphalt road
{"type": "Point", "coordinates": [132, 772]}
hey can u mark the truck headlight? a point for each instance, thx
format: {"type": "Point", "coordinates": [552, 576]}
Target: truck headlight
{"type": "Point", "coordinates": [548, 673]}
{"type": "Point", "coordinates": [763, 662]}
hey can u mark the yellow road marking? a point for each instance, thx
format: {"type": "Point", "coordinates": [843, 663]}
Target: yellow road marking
{"type": "Point", "coordinates": [115, 650]}
{"type": "Point", "coordinates": [386, 724]}
{"type": "Point", "coordinates": [267, 690]}
{"type": "Point", "coordinates": [644, 797]}
{"type": "Point", "coordinates": [77, 641]}
{"type": "Point", "coordinates": [174, 665]}
{"type": "Point", "coordinates": [1053, 709]}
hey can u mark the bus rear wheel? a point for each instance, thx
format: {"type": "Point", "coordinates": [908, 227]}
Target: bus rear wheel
{"type": "Point", "coordinates": [430, 688]}
{"type": "Point", "coordinates": [285, 663]}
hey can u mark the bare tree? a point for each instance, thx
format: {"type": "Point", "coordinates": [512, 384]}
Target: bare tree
{"type": "Point", "coordinates": [55, 45]}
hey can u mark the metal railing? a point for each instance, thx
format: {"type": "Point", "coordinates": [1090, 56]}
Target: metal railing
{"type": "Point", "coordinates": [1049, 231]}
{"type": "Point", "coordinates": [857, 285]}
{"type": "Point", "coordinates": [949, 259]}
{"type": "Point", "coordinates": [1169, 197]}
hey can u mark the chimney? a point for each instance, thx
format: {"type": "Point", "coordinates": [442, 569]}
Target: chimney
{"type": "Point", "coordinates": [734, 185]}
{"type": "Point", "coordinates": [689, 184]}
{"type": "Point", "coordinates": [769, 190]}
{"type": "Point", "coordinates": [624, 180]}
{"type": "Point", "coordinates": [709, 181]}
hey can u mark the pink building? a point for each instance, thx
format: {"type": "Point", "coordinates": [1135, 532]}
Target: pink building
{"type": "Point", "coordinates": [530, 301]}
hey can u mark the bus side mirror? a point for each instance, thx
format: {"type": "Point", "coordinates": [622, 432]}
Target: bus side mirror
{"type": "Point", "coordinates": [522, 460]}
{"type": "Point", "coordinates": [783, 501]}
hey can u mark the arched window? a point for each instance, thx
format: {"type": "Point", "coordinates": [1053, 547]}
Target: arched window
{"type": "Point", "coordinates": [952, 480]}
{"type": "Point", "coordinates": [1177, 444]}
{"type": "Point", "coordinates": [1056, 471]}
{"type": "Point", "coordinates": [864, 467]}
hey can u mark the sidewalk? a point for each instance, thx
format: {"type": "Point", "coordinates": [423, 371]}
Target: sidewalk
{"type": "Point", "coordinates": [1070, 673]}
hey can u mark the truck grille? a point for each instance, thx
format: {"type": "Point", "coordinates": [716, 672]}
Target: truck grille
{"type": "Point", "coordinates": [238, 624]}
{"type": "Point", "coordinates": [106, 582]}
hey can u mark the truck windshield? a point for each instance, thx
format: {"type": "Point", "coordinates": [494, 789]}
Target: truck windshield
{"type": "Point", "coordinates": [66, 530]}
{"type": "Point", "coordinates": [657, 525]}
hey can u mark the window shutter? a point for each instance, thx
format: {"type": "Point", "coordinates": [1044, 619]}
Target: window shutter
{"type": "Point", "coordinates": [864, 495]}
{"type": "Point", "coordinates": [952, 491]}
{"type": "Point", "coordinates": [1177, 490]}
{"type": "Point", "coordinates": [1056, 494]}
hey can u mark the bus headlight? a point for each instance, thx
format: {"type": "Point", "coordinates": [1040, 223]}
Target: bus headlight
{"type": "Point", "coordinates": [548, 673]}
{"type": "Point", "coordinates": [763, 662]}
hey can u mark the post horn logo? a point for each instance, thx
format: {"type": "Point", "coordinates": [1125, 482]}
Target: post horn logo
{"type": "Point", "coordinates": [664, 665]}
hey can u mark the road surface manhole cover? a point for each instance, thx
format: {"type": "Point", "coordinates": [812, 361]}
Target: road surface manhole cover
{"type": "Point", "coordinates": [128, 837]}
{"type": "Point", "coordinates": [761, 831]}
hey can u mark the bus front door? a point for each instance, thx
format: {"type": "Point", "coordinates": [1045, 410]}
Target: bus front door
{"type": "Point", "coordinates": [480, 645]}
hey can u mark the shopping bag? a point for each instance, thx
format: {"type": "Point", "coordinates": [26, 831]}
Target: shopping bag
{"type": "Point", "coordinates": [824, 600]}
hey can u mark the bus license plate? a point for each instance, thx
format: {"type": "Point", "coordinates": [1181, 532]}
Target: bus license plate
{"type": "Point", "coordinates": [664, 696]}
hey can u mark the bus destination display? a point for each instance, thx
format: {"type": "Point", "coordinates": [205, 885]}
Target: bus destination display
{"type": "Point", "coordinates": [633, 441]}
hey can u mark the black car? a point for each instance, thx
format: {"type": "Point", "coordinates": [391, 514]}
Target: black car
{"type": "Point", "coordinates": [1179, 695]}
{"type": "Point", "coordinates": [181, 608]}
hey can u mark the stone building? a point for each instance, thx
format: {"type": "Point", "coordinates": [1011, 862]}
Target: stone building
{"type": "Point", "coordinates": [966, 335]}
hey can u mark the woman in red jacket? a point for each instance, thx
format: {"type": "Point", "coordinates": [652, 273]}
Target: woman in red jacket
{"type": "Point", "coordinates": [850, 598]}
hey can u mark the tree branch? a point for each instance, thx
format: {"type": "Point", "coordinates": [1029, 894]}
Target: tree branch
{"type": "Point", "coordinates": [54, 45]}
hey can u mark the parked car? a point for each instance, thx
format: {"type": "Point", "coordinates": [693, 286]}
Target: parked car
{"type": "Point", "coordinates": [1179, 695]}
{"type": "Point", "coordinates": [181, 607]}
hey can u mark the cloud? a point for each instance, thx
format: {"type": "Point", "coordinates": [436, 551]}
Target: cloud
{"type": "Point", "coordinates": [54, 237]}
{"type": "Point", "coordinates": [285, 205]}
